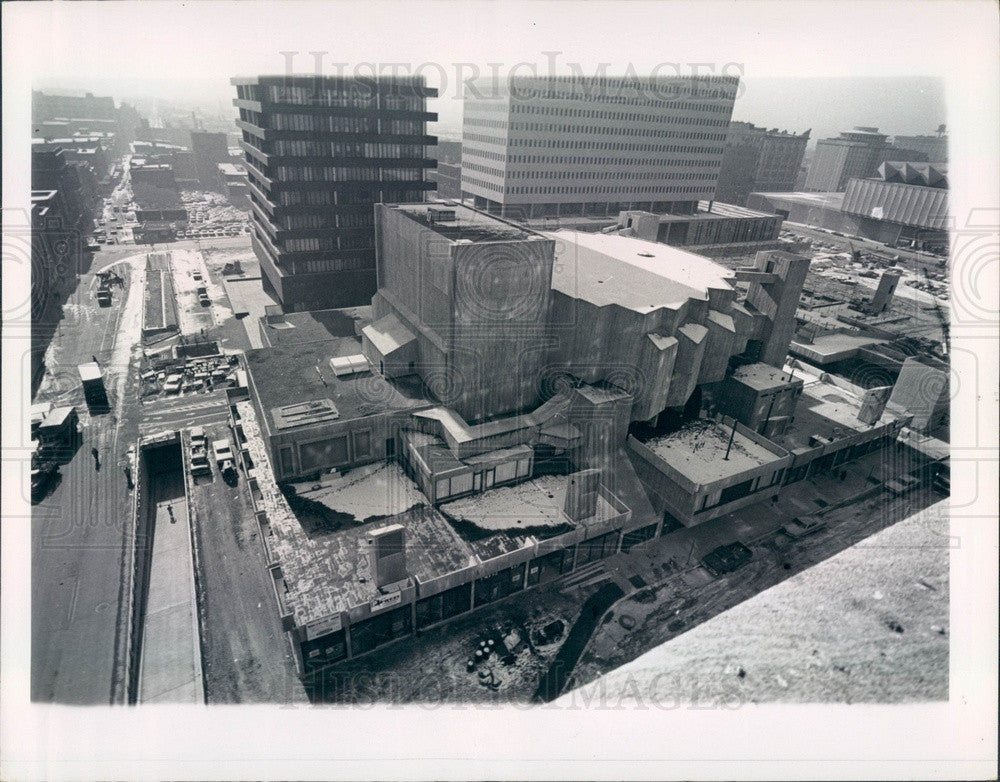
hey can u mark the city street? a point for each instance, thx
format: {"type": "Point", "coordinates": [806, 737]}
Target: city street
{"type": "Point", "coordinates": [79, 528]}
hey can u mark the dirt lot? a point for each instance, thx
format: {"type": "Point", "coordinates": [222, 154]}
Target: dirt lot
{"type": "Point", "coordinates": [431, 669]}
{"type": "Point", "coordinates": [869, 624]}
{"type": "Point", "coordinates": [246, 657]}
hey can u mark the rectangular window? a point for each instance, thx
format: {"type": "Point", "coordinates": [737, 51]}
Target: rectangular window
{"type": "Point", "coordinates": [449, 603]}
{"type": "Point", "coordinates": [325, 453]}
{"type": "Point", "coordinates": [381, 629]}
{"type": "Point", "coordinates": [638, 536]}
{"type": "Point", "coordinates": [362, 444]}
{"type": "Point", "coordinates": [461, 484]}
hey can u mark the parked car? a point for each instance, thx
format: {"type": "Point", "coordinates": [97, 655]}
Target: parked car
{"type": "Point", "coordinates": [223, 452]}
{"type": "Point", "coordinates": [173, 384]}
{"type": "Point", "coordinates": [800, 527]}
{"type": "Point", "coordinates": [727, 558]}
{"type": "Point", "coordinates": [41, 478]}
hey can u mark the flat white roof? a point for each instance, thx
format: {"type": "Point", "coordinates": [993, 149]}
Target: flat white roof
{"type": "Point", "coordinates": [633, 273]}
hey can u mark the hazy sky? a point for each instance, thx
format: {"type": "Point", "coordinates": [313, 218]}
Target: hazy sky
{"type": "Point", "coordinates": [795, 77]}
{"type": "Point", "coordinates": [904, 105]}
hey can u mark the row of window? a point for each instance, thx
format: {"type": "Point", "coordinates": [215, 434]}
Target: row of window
{"type": "Point", "coordinates": [347, 198]}
{"type": "Point", "coordinates": [324, 123]}
{"type": "Point", "coordinates": [634, 176]}
{"type": "Point", "coordinates": [557, 111]}
{"type": "Point", "coordinates": [549, 127]}
{"type": "Point", "coordinates": [317, 243]}
{"type": "Point", "coordinates": [566, 160]}
{"type": "Point", "coordinates": [345, 220]}
{"type": "Point", "coordinates": [341, 264]}
{"type": "Point", "coordinates": [653, 92]}
{"type": "Point", "coordinates": [348, 149]}
{"type": "Point", "coordinates": [347, 174]}
{"type": "Point", "coordinates": [351, 94]}
{"type": "Point", "coordinates": [601, 189]}
{"type": "Point", "coordinates": [471, 150]}
{"type": "Point", "coordinates": [612, 145]}
{"type": "Point", "coordinates": [457, 485]}
{"type": "Point", "coordinates": [656, 119]}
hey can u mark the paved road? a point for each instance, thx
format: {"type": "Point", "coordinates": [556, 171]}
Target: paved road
{"type": "Point", "coordinates": [76, 566]}
{"type": "Point", "coordinates": [185, 411]}
{"type": "Point", "coordinates": [78, 530]}
{"type": "Point", "coordinates": [170, 669]}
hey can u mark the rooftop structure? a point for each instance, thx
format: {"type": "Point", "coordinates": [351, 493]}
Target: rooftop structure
{"type": "Point", "coordinates": [712, 224]}
{"type": "Point", "coordinates": [831, 347]}
{"type": "Point", "coordinates": [934, 147]}
{"type": "Point", "coordinates": [903, 198]}
{"type": "Point", "coordinates": [827, 413]}
{"type": "Point", "coordinates": [301, 373]}
{"type": "Point", "coordinates": [292, 328]}
{"type": "Point", "coordinates": [643, 276]}
{"type": "Point", "coordinates": [329, 571]}
{"type": "Point", "coordinates": [701, 451]}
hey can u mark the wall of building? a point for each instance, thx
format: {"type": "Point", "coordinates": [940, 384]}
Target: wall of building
{"type": "Point", "coordinates": [693, 503]}
{"type": "Point", "coordinates": [924, 392]}
{"type": "Point", "coordinates": [541, 146]}
{"type": "Point", "coordinates": [894, 202]}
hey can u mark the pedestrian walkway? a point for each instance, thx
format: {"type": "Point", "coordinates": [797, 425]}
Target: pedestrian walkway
{"type": "Point", "coordinates": [170, 666]}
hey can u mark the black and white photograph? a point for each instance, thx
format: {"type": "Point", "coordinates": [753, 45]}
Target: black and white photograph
{"type": "Point", "coordinates": [500, 390]}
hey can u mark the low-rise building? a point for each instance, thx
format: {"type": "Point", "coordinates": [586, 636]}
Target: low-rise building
{"type": "Point", "coordinates": [714, 224]}
{"type": "Point", "coordinates": [233, 182]}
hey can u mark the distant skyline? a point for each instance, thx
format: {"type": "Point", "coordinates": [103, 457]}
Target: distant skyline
{"type": "Point", "coordinates": [826, 105]}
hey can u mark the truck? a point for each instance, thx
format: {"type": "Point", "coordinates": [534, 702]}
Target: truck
{"type": "Point", "coordinates": [94, 391]}
{"type": "Point", "coordinates": [223, 452]}
{"type": "Point", "coordinates": [225, 460]}
{"type": "Point", "coordinates": [59, 430]}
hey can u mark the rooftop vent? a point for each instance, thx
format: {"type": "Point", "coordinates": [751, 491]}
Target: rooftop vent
{"type": "Point", "coordinates": [437, 214]}
{"type": "Point", "coordinates": [349, 365]}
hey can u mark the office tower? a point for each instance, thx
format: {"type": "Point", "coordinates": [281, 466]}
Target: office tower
{"type": "Point", "coordinates": [934, 147]}
{"type": "Point", "coordinates": [855, 153]}
{"type": "Point", "coordinates": [759, 160]}
{"type": "Point", "coordinates": [560, 146]}
{"type": "Point", "coordinates": [209, 149]}
{"type": "Point", "coordinates": [320, 152]}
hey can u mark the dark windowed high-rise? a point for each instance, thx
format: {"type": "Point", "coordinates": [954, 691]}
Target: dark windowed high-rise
{"type": "Point", "coordinates": [320, 152]}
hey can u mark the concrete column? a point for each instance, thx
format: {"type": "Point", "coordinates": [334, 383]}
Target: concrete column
{"type": "Point", "coordinates": [347, 642]}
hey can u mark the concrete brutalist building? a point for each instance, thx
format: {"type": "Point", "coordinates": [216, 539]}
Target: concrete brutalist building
{"type": "Point", "coordinates": [519, 406]}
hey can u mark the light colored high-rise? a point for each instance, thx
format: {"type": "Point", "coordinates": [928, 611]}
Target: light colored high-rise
{"type": "Point", "coordinates": [567, 146]}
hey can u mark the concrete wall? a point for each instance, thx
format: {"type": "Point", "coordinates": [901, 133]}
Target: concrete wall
{"type": "Point", "coordinates": [924, 392]}
{"type": "Point", "coordinates": [778, 300]}
{"type": "Point", "coordinates": [501, 305]}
